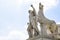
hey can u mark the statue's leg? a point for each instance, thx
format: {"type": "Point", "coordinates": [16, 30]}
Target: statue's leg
{"type": "Point", "coordinates": [30, 33]}
{"type": "Point", "coordinates": [43, 29]}
{"type": "Point", "coordinates": [55, 30]}
{"type": "Point", "coordinates": [36, 31]}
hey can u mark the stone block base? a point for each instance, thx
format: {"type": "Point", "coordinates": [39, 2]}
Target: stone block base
{"type": "Point", "coordinates": [41, 38]}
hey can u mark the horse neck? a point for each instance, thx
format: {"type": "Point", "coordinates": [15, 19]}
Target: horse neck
{"type": "Point", "coordinates": [40, 13]}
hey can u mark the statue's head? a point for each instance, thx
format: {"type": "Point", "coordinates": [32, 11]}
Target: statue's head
{"type": "Point", "coordinates": [39, 3]}
{"type": "Point", "coordinates": [30, 11]}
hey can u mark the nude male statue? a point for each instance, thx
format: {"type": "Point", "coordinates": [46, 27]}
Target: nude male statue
{"type": "Point", "coordinates": [32, 19]}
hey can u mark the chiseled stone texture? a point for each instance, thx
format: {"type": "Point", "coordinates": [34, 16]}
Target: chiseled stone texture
{"type": "Point", "coordinates": [41, 38]}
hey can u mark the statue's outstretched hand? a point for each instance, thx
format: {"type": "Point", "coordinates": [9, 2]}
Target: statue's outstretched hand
{"type": "Point", "coordinates": [32, 6]}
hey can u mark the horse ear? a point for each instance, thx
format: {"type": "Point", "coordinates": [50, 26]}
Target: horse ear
{"type": "Point", "coordinates": [42, 6]}
{"type": "Point", "coordinates": [31, 5]}
{"type": "Point", "coordinates": [39, 3]}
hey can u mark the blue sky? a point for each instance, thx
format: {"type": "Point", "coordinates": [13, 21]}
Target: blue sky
{"type": "Point", "coordinates": [54, 13]}
{"type": "Point", "coordinates": [14, 16]}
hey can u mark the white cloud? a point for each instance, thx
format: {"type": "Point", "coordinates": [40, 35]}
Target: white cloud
{"type": "Point", "coordinates": [14, 35]}
{"type": "Point", "coordinates": [3, 38]}
{"type": "Point", "coordinates": [19, 35]}
{"type": "Point", "coordinates": [47, 3]}
{"type": "Point", "coordinates": [58, 22]}
{"type": "Point", "coordinates": [19, 2]}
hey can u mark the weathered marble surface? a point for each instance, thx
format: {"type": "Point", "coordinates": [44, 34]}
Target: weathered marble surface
{"type": "Point", "coordinates": [40, 37]}
{"type": "Point", "coordinates": [44, 25]}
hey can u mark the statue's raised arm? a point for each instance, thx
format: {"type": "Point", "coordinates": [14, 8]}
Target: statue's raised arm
{"type": "Point", "coordinates": [34, 12]}
{"type": "Point", "coordinates": [32, 20]}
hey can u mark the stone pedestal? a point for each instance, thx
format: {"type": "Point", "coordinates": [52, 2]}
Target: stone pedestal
{"type": "Point", "coordinates": [40, 37]}
{"type": "Point", "coordinates": [43, 29]}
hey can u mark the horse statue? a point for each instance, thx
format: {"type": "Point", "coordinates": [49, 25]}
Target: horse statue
{"type": "Point", "coordinates": [51, 25]}
{"type": "Point", "coordinates": [44, 23]}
